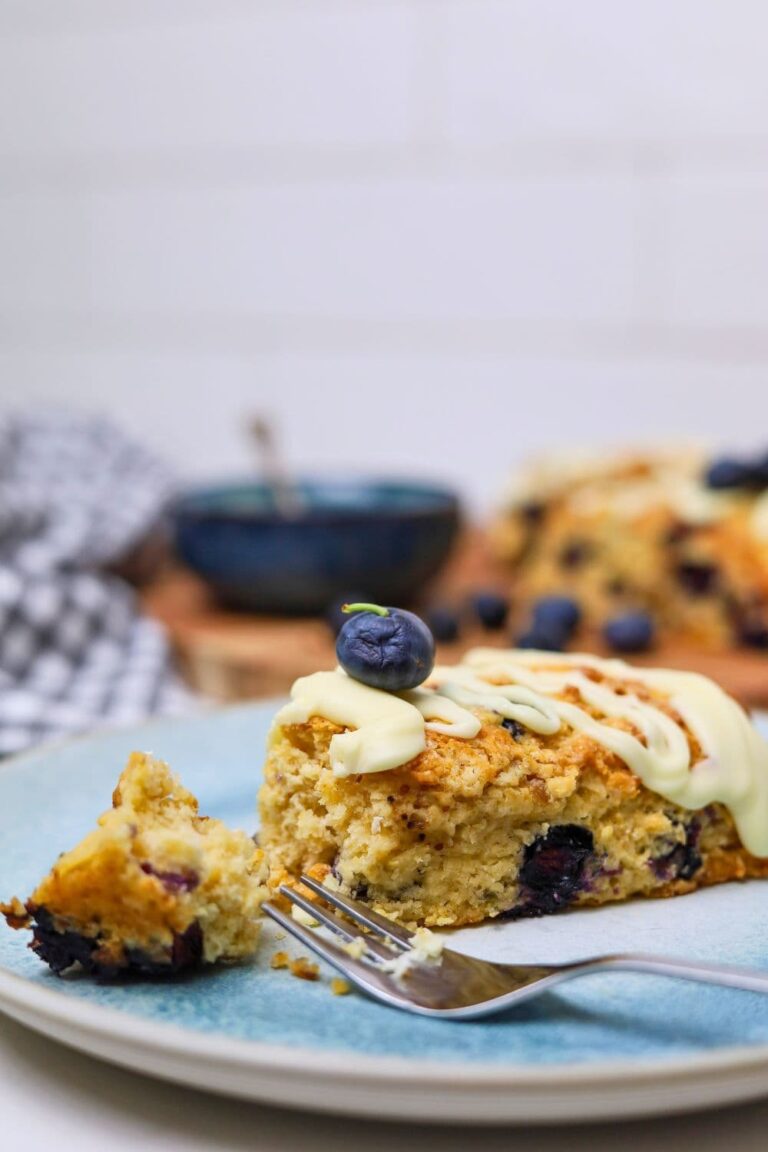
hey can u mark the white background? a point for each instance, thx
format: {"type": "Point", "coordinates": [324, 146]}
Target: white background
{"type": "Point", "coordinates": [425, 235]}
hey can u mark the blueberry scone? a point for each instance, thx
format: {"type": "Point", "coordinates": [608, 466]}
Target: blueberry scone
{"type": "Point", "coordinates": [654, 545]}
{"type": "Point", "coordinates": [516, 784]}
{"type": "Point", "coordinates": [155, 888]}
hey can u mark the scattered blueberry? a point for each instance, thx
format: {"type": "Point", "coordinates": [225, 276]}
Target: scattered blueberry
{"type": "Point", "coordinates": [560, 612]}
{"type": "Point", "coordinates": [386, 648]}
{"type": "Point", "coordinates": [554, 619]}
{"type": "Point", "coordinates": [491, 609]}
{"type": "Point", "coordinates": [443, 623]}
{"type": "Point", "coordinates": [542, 639]}
{"type": "Point", "coordinates": [728, 472]}
{"type": "Point", "coordinates": [514, 727]}
{"type": "Point", "coordinates": [632, 632]}
{"type": "Point", "coordinates": [697, 576]}
{"type": "Point", "coordinates": [553, 871]}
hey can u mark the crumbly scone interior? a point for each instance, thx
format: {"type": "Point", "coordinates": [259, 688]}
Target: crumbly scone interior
{"type": "Point", "coordinates": [153, 869]}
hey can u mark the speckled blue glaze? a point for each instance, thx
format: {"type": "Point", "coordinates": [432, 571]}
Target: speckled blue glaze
{"type": "Point", "coordinates": [50, 798]}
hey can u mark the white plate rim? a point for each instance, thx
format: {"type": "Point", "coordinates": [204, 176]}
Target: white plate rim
{"type": "Point", "coordinates": [361, 1084]}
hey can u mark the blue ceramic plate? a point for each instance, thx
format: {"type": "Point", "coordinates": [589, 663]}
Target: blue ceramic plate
{"type": "Point", "coordinates": [609, 1045]}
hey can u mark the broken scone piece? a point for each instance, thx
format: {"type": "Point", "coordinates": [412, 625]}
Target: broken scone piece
{"type": "Point", "coordinates": [155, 888]}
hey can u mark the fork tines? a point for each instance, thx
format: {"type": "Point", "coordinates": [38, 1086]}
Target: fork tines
{"type": "Point", "coordinates": [383, 939]}
{"type": "Point", "coordinates": [356, 911]}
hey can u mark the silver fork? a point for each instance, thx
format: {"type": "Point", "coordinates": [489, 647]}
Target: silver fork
{"type": "Point", "coordinates": [458, 986]}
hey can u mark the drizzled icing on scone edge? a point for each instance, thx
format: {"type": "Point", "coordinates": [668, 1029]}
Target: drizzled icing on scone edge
{"type": "Point", "coordinates": [387, 730]}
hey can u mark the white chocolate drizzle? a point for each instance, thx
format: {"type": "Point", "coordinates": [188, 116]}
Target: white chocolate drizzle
{"type": "Point", "coordinates": [388, 730]}
{"type": "Point", "coordinates": [443, 714]}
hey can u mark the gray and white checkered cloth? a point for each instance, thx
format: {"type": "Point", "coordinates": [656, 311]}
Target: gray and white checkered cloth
{"type": "Point", "coordinates": [75, 495]}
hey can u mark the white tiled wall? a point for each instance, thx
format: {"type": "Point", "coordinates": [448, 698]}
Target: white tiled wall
{"type": "Point", "coordinates": [479, 226]}
{"type": "Point", "coordinates": [598, 69]}
{"type": "Point", "coordinates": [282, 76]}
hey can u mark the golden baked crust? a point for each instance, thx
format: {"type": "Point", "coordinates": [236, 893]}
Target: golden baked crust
{"type": "Point", "coordinates": [154, 888]}
{"type": "Point", "coordinates": [507, 824]}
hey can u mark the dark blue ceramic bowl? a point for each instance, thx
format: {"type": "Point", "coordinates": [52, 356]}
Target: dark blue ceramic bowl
{"type": "Point", "coordinates": [380, 539]}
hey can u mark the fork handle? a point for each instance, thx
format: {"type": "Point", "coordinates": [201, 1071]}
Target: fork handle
{"type": "Point", "coordinates": [748, 979]}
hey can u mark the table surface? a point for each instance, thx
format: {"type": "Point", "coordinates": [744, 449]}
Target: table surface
{"type": "Point", "coordinates": [237, 656]}
{"type": "Point", "coordinates": [55, 1100]}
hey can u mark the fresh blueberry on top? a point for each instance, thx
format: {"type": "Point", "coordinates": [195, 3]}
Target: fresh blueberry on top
{"type": "Point", "coordinates": [631, 632]}
{"type": "Point", "coordinates": [728, 472]}
{"type": "Point", "coordinates": [335, 617]}
{"type": "Point", "coordinates": [491, 609]}
{"type": "Point", "coordinates": [386, 648]}
{"type": "Point", "coordinates": [560, 612]}
{"type": "Point", "coordinates": [443, 623]}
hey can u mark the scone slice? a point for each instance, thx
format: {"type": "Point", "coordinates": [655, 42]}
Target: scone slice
{"type": "Point", "coordinates": [155, 888]}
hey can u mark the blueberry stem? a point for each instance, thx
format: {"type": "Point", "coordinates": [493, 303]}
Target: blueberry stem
{"type": "Point", "coordinates": [376, 608]}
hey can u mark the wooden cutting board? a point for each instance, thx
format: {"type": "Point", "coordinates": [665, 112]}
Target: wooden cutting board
{"type": "Point", "coordinates": [237, 656]}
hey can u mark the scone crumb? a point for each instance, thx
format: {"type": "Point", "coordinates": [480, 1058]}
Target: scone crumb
{"type": "Point", "coordinates": [427, 949]}
{"type": "Point", "coordinates": [15, 913]}
{"type": "Point", "coordinates": [340, 987]}
{"type": "Point", "coordinates": [302, 917]}
{"type": "Point", "coordinates": [279, 960]}
{"type": "Point", "coordinates": [355, 948]}
{"type": "Point", "coordinates": [304, 969]}
{"type": "Point", "coordinates": [427, 945]}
